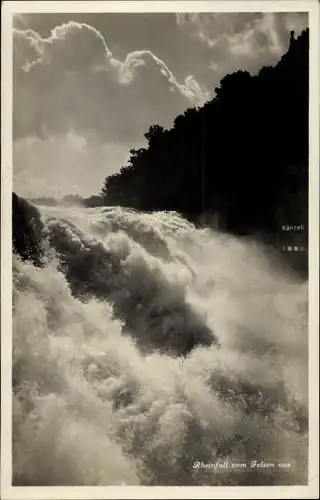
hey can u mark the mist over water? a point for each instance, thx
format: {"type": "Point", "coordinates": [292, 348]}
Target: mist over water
{"type": "Point", "coordinates": [145, 344]}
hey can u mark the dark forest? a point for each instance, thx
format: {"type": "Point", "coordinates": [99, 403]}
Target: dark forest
{"type": "Point", "coordinates": [238, 163]}
{"type": "Point", "coordinates": [242, 156]}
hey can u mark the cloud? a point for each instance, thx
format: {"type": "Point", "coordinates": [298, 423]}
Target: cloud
{"type": "Point", "coordinates": [242, 40]}
{"type": "Point", "coordinates": [27, 50]}
{"type": "Point", "coordinates": [72, 81]}
{"type": "Point", "coordinates": [66, 164]}
{"type": "Point", "coordinates": [191, 89]}
{"type": "Point", "coordinates": [78, 109]}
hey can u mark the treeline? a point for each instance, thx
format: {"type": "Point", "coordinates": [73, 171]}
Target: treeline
{"type": "Point", "coordinates": [242, 157]}
{"type": "Point", "coordinates": [70, 200]}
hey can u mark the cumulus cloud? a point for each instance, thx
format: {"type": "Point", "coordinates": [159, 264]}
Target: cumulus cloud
{"type": "Point", "coordinates": [72, 81]}
{"type": "Point", "coordinates": [190, 89]}
{"type": "Point", "coordinates": [242, 40]}
{"type": "Point", "coordinates": [26, 49]}
{"type": "Point", "coordinates": [78, 109]}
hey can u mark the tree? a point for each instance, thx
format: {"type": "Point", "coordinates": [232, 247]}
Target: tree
{"type": "Point", "coordinates": [236, 156]}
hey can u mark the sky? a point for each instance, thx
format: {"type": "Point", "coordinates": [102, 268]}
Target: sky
{"type": "Point", "coordinates": [86, 87]}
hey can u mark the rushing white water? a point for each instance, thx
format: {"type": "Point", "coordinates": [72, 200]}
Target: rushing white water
{"type": "Point", "coordinates": [145, 344]}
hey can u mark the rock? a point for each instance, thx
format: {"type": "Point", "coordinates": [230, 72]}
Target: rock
{"type": "Point", "coordinates": [26, 230]}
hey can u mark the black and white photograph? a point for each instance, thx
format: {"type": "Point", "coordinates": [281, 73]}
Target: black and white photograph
{"type": "Point", "coordinates": [160, 242]}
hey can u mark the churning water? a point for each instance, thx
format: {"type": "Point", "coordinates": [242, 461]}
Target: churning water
{"type": "Point", "coordinates": [144, 345]}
